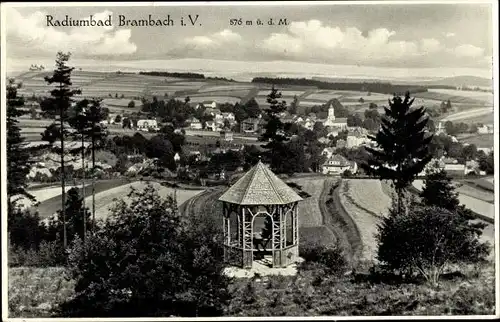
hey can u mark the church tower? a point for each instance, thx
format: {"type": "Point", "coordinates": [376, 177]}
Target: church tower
{"type": "Point", "coordinates": [331, 113]}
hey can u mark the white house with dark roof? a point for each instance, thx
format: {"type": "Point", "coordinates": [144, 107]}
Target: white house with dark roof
{"type": "Point", "coordinates": [337, 164]}
{"type": "Point", "coordinates": [194, 123]}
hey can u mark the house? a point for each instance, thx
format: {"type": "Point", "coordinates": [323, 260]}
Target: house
{"type": "Point", "coordinates": [337, 164]}
{"type": "Point", "coordinates": [485, 150]}
{"type": "Point", "coordinates": [146, 125]}
{"type": "Point", "coordinates": [340, 144]}
{"type": "Point", "coordinates": [440, 129]}
{"type": "Point", "coordinates": [485, 129]}
{"type": "Point", "coordinates": [298, 119]}
{"type": "Point", "coordinates": [212, 111]}
{"type": "Point", "coordinates": [324, 140]}
{"type": "Point", "coordinates": [252, 125]}
{"type": "Point", "coordinates": [206, 104]}
{"type": "Point", "coordinates": [228, 116]}
{"type": "Point", "coordinates": [212, 126]}
{"type": "Point", "coordinates": [210, 104]}
{"type": "Point", "coordinates": [328, 152]}
{"type": "Point", "coordinates": [194, 123]}
{"type": "Point", "coordinates": [335, 123]}
{"type": "Point", "coordinates": [226, 136]}
{"type": "Point", "coordinates": [288, 119]}
{"type": "Point", "coordinates": [333, 133]}
{"type": "Point", "coordinates": [471, 166]}
{"type": "Point", "coordinates": [177, 157]}
{"type": "Point", "coordinates": [195, 153]}
{"type": "Point", "coordinates": [356, 140]}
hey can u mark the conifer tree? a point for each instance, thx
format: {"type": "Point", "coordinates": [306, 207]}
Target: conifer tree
{"type": "Point", "coordinates": [86, 120]}
{"type": "Point", "coordinates": [438, 190]}
{"type": "Point", "coordinates": [58, 105]}
{"type": "Point", "coordinates": [275, 133]}
{"type": "Point", "coordinates": [403, 141]}
{"type": "Point", "coordinates": [18, 157]}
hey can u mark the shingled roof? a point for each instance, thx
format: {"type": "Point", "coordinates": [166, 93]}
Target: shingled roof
{"type": "Point", "coordinates": [260, 186]}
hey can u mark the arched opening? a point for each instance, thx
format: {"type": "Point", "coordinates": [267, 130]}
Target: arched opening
{"type": "Point", "coordinates": [262, 238]}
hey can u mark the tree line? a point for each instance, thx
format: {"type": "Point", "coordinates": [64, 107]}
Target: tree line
{"type": "Point", "coordinates": [378, 87]}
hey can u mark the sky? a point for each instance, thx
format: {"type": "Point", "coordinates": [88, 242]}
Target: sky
{"type": "Point", "coordinates": [405, 36]}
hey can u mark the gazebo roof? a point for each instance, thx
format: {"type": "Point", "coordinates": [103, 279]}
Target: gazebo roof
{"type": "Point", "coordinates": [260, 186]}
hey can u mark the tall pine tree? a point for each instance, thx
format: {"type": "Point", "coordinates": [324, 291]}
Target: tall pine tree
{"type": "Point", "coordinates": [439, 191]}
{"type": "Point", "coordinates": [86, 119]}
{"type": "Point", "coordinates": [275, 133]}
{"type": "Point", "coordinates": [403, 141]}
{"type": "Point", "coordinates": [18, 157]}
{"type": "Point", "coordinates": [58, 105]}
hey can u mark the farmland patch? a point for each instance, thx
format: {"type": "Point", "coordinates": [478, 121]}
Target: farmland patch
{"type": "Point", "coordinates": [106, 199]}
{"type": "Point", "coordinates": [218, 99]}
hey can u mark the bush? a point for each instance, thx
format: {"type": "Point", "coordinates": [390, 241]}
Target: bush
{"type": "Point", "coordinates": [49, 254]}
{"type": "Point", "coordinates": [147, 261]}
{"type": "Point", "coordinates": [329, 258]}
{"type": "Point", "coordinates": [426, 239]}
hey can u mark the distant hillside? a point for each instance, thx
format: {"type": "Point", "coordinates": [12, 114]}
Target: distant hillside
{"type": "Point", "coordinates": [470, 81]}
{"type": "Point", "coordinates": [455, 81]}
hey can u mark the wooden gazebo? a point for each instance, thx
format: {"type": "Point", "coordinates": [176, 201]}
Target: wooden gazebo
{"type": "Point", "coordinates": [260, 199]}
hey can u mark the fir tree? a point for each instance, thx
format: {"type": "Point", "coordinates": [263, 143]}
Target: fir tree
{"type": "Point", "coordinates": [86, 119]}
{"type": "Point", "coordinates": [403, 142]}
{"type": "Point", "coordinates": [275, 133]}
{"type": "Point", "coordinates": [18, 157]}
{"type": "Point", "coordinates": [58, 106]}
{"type": "Point", "coordinates": [438, 190]}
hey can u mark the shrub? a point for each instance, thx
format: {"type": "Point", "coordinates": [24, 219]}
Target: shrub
{"type": "Point", "coordinates": [49, 254]}
{"type": "Point", "coordinates": [145, 261]}
{"type": "Point", "coordinates": [426, 239]}
{"type": "Point", "coordinates": [330, 258]}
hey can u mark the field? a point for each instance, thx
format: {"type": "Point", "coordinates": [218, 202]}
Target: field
{"type": "Point", "coordinates": [471, 115]}
{"type": "Point", "coordinates": [106, 192]}
{"type": "Point", "coordinates": [217, 99]}
{"type": "Point", "coordinates": [368, 195]}
{"type": "Point", "coordinates": [364, 218]}
{"type": "Point", "coordinates": [106, 199]}
{"type": "Point", "coordinates": [50, 205]}
{"type": "Point", "coordinates": [472, 191]}
{"type": "Point", "coordinates": [463, 97]}
{"type": "Point", "coordinates": [479, 206]}
{"type": "Point", "coordinates": [311, 221]}
{"type": "Point", "coordinates": [486, 97]}
{"type": "Point", "coordinates": [480, 140]}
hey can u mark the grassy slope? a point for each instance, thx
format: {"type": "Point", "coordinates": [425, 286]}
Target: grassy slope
{"type": "Point", "coordinates": [50, 206]}
{"type": "Point", "coordinates": [34, 292]}
{"type": "Point", "coordinates": [314, 294]}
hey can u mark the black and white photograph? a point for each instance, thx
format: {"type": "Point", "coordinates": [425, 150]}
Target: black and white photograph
{"type": "Point", "coordinates": [249, 160]}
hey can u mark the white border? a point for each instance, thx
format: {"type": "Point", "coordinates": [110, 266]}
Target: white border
{"type": "Point", "coordinates": [3, 184]}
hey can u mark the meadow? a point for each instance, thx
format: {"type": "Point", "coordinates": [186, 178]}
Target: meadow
{"type": "Point", "coordinates": [107, 192]}
{"type": "Point", "coordinates": [480, 140]}
{"type": "Point", "coordinates": [474, 203]}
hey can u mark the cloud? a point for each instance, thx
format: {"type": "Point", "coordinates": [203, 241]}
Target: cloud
{"type": "Point", "coordinates": [215, 40]}
{"type": "Point", "coordinates": [469, 51]}
{"type": "Point", "coordinates": [31, 34]}
{"type": "Point", "coordinates": [314, 40]}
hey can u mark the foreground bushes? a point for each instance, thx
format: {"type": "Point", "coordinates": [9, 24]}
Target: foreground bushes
{"type": "Point", "coordinates": [427, 239]}
{"type": "Point", "coordinates": [146, 261]}
{"type": "Point", "coordinates": [329, 259]}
